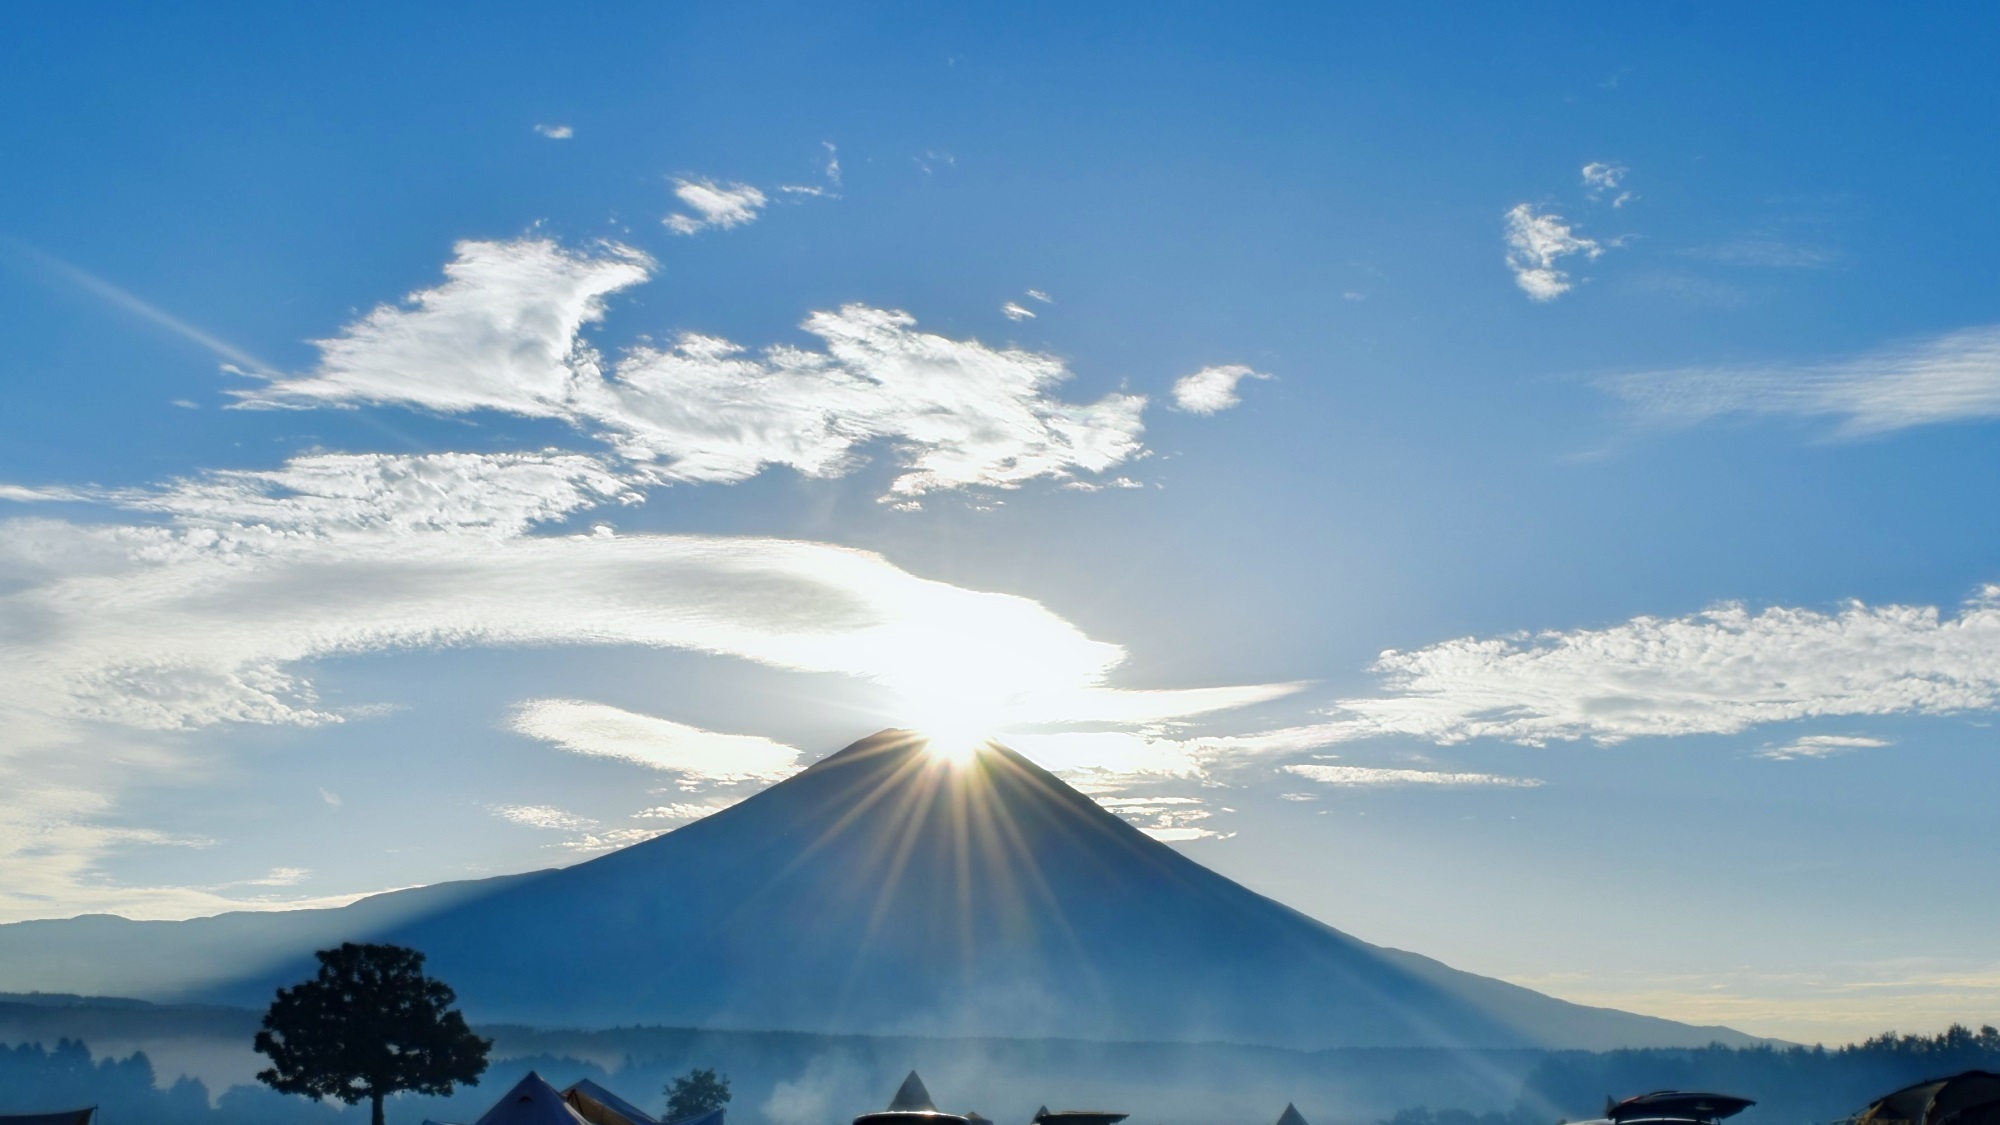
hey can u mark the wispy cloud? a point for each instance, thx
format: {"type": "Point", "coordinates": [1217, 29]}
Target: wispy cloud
{"type": "Point", "coordinates": [1820, 746]}
{"type": "Point", "coordinates": [556, 132]}
{"type": "Point", "coordinates": [714, 205]}
{"type": "Point", "coordinates": [1602, 179]}
{"type": "Point", "coordinates": [128, 634]}
{"type": "Point", "coordinates": [145, 310]}
{"type": "Point", "coordinates": [1720, 671]}
{"type": "Point", "coordinates": [502, 334]}
{"type": "Point", "coordinates": [543, 816]}
{"type": "Point", "coordinates": [1351, 777]}
{"type": "Point", "coordinates": [605, 731]}
{"type": "Point", "coordinates": [1212, 389]}
{"type": "Point", "coordinates": [1949, 378]}
{"type": "Point", "coordinates": [1766, 253]}
{"type": "Point", "coordinates": [1536, 241]}
{"type": "Point", "coordinates": [1012, 311]}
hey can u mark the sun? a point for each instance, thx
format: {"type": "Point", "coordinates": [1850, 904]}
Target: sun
{"type": "Point", "coordinates": [954, 744]}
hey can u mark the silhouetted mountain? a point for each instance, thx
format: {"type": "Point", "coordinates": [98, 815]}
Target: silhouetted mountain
{"type": "Point", "coordinates": [881, 890]}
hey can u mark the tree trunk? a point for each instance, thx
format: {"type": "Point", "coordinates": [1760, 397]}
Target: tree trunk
{"type": "Point", "coordinates": [377, 1096]}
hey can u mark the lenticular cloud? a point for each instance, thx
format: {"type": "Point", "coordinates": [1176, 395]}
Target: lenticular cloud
{"type": "Point", "coordinates": [503, 333]}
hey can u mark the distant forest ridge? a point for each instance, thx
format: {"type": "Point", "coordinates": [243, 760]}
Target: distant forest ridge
{"type": "Point", "coordinates": [801, 1079]}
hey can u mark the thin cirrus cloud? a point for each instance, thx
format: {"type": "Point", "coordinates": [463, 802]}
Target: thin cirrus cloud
{"type": "Point", "coordinates": [1354, 777]}
{"type": "Point", "coordinates": [556, 132]}
{"type": "Point", "coordinates": [1212, 389]}
{"type": "Point", "coordinates": [601, 730]}
{"type": "Point", "coordinates": [1950, 378]}
{"type": "Point", "coordinates": [715, 205]}
{"type": "Point", "coordinates": [1720, 671]}
{"type": "Point", "coordinates": [1536, 243]}
{"type": "Point", "coordinates": [212, 610]}
{"type": "Point", "coordinates": [1820, 746]}
{"type": "Point", "coordinates": [502, 333]}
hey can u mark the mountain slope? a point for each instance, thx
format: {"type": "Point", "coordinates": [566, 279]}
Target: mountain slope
{"type": "Point", "coordinates": [881, 890]}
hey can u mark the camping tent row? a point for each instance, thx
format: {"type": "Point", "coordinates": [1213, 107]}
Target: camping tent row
{"type": "Point", "coordinates": [533, 1101]}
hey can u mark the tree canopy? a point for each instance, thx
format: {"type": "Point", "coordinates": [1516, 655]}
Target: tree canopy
{"type": "Point", "coordinates": [695, 1093]}
{"type": "Point", "coordinates": [370, 1024]}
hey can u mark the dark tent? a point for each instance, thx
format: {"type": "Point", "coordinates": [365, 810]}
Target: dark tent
{"type": "Point", "coordinates": [1291, 1116]}
{"type": "Point", "coordinates": [1677, 1105]}
{"type": "Point", "coordinates": [1971, 1098]}
{"type": "Point", "coordinates": [62, 1117]}
{"type": "Point", "coordinates": [912, 1105]}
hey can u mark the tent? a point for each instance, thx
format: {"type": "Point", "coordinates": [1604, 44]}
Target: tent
{"type": "Point", "coordinates": [600, 1106]}
{"type": "Point", "coordinates": [1676, 1105]}
{"type": "Point", "coordinates": [1971, 1098]}
{"type": "Point", "coordinates": [532, 1101]}
{"type": "Point", "coordinates": [912, 1105]}
{"type": "Point", "coordinates": [62, 1117]}
{"type": "Point", "coordinates": [1291, 1116]}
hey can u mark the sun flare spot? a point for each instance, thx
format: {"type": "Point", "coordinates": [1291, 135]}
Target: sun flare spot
{"type": "Point", "coordinates": [954, 745]}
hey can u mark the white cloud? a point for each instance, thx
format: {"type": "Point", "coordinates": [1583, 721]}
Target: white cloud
{"type": "Point", "coordinates": [21, 494]}
{"type": "Point", "coordinates": [1360, 776]}
{"type": "Point", "coordinates": [614, 838]}
{"type": "Point", "coordinates": [1012, 311]}
{"type": "Point", "coordinates": [1168, 819]}
{"type": "Point", "coordinates": [1950, 378]}
{"type": "Point", "coordinates": [121, 635]}
{"type": "Point", "coordinates": [682, 810]}
{"type": "Point", "coordinates": [1212, 389]}
{"type": "Point", "coordinates": [1720, 671]}
{"type": "Point", "coordinates": [556, 132]}
{"type": "Point", "coordinates": [662, 744]}
{"type": "Point", "coordinates": [715, 205]}
{"type": "Point", "coordinates": [1535, 243]}
{"type": "Point", "coordinates": [1038, 295]}
{"type": "Point", "coordinates": [502, 334]}
{"type": "Point", "coordinates": [1820, 746]}
{"type": "Point", "coordinates": [543, 816]}
{"type": "Point", "coordinates": [499, 334]}
{"type": "Point", "coordinates": [1601, 179]}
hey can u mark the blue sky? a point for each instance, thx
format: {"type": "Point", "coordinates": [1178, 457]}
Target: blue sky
{"type": "Point", "coordinates": [1513, 484]}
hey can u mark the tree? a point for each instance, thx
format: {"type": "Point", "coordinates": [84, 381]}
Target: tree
{"type": "Point", "coordinates": [369, 1025]}
{"type": "Point", "coordinates": [695, 1093]}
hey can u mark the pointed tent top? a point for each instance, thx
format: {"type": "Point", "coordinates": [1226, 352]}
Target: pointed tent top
{"type": "Point", "coordinates": [532, 1101]}
{"type": "Point", "coordinates": [911, 1097]}
{"type": "Point", "coordinates": [600, 1106]}
{"type": "Point", "coordinates": [1291, 1116]}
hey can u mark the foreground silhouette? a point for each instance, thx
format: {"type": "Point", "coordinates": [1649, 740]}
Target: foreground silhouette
{"type": "Point", "coordinates": [370, 1024]}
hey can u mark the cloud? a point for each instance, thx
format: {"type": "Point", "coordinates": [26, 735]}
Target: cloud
{"type": "Point", "coordinates": [499, 334]}
{"type": "Point", "coordinates": [502, 334]}
{"type": "Point", "coordinates": [1012, 311]}
{"type": "Point", "coordinates": [543, 816]}
{"type": "Point", "coordinates": [715, 205]}
{"type": "Point", "coordinates": [682, 810]}
{"type": "Point", "coordinates": [609, 732]}
{"type": "Point", "coordinates": [556, 132]}
{"type": "Point", "coordinates": [213, 608]}
{"type": "Point", "coordinates": [1212, 389]}
{"type": "Point", "coordinates": [1038, 295]}
{"type": "Point", "coordinates": [1535, 243]}
{"type": "Point", "coordinates": [21, 494]}
{"type": "Point", "coordinates": [1601, 179]}
{"type": "Point", "coordinates": [234, 358]}
{"type": "Point", "coordinates": [1351, 777]}
{"type": "Point", "coordinates": [1949, 378]}
{"type": "Point", "coordinates": [1820, 746]}
{"type": "Point", "coordinates": [1766, 253]}
{"type": "Point", "coordinates": [1719, 671]}
{"type": "Point", "coordinates": [1168, 819]}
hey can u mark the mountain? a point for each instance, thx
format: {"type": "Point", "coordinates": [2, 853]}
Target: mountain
{"type": "Point", "coordinates": [882, 890]}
